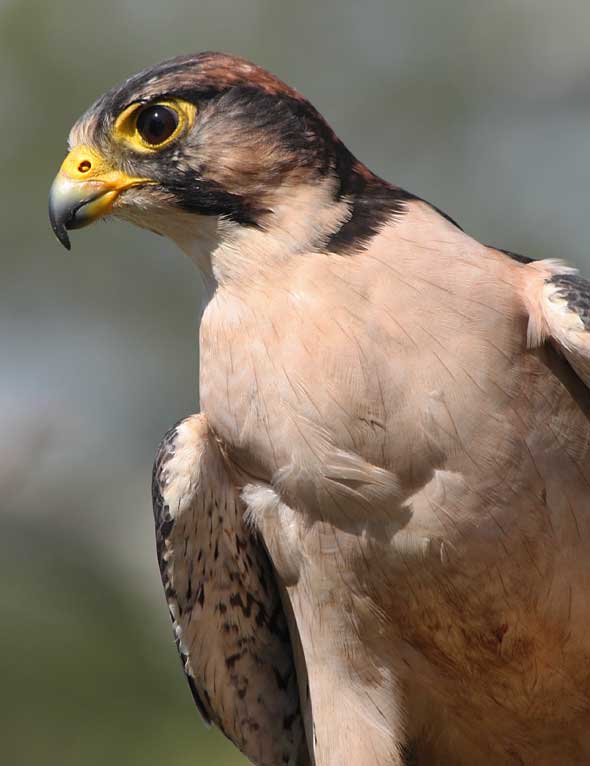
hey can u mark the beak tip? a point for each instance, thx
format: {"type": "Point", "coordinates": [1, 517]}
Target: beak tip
{"type": "Point", "coordinates": [60, 232]}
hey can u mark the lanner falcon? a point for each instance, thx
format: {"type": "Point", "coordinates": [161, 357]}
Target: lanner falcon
{"type": "Point", "coordinates": [375, 537]}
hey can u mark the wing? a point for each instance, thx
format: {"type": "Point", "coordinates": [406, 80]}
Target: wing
{"type": "Point", "coordinates": [228, 620]}
{"type": "Point", "coordinates": [559, 310]}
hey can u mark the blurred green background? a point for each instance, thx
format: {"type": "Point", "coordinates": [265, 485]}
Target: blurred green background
{"type": "Point", "coordinates": [481, 107]}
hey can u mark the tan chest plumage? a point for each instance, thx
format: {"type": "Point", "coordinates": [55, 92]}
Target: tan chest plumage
{"type": "Point", "coordinates": [399, 419]}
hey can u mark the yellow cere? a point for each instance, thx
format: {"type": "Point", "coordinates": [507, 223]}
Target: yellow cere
{"type": "Point", "coordinates": [84, 163]}
{"type": "Point", "coordinates": [125, 128]}
{"type": "Point", "coordinates": [86, 168]}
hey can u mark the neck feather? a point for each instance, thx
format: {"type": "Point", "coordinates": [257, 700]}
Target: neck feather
{"type": "Point", "coordinates": [302, 219]}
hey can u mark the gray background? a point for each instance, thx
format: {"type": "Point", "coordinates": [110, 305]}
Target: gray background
{"type": "Point", "coordinates": [481, 107]}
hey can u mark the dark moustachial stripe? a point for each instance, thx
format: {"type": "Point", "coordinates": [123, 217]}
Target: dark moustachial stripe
{"type": "Point", "coordinates": [206, 197]}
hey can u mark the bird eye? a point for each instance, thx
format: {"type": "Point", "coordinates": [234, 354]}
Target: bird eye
{"type": "Point", "coordinates": [156, 123]}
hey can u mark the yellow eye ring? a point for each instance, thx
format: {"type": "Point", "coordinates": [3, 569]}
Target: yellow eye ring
{"type": "Point", "coordinates": [150, 127]}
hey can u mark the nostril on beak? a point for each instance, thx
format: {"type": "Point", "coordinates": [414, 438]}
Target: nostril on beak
{"type": "Point", "coordinates": [84, 166]}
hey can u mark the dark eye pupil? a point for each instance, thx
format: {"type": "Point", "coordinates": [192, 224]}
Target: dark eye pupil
{"type": "Point", "coordinates": [156, 123]}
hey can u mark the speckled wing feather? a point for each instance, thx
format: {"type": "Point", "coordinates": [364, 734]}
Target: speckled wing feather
{"type": "Point", "coordinates": [164, 524]}
{"type": "Point", "coordinates": [563, 314]}
{"type": "Point", "coordinates": [228, 619]}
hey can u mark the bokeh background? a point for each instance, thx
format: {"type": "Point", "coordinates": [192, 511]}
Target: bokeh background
{"type": "Point", "coordinates": [481, 107]}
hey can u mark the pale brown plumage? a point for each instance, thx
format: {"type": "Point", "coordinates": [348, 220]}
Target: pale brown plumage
{"type": "Point", "coordinates": [438, 471]}
{"type": "Point", "coordinates": [402, 414]}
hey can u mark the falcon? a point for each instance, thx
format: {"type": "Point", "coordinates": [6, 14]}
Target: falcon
{"type": "Point", "coordinates": [374, 538]}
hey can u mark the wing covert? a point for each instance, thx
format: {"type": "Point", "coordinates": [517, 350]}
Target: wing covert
{"type": "Point", "coordinates": [559, 308]}
{"type": "Point", "coordinates": [163, 524]}
{"type": "Point", "coordinates": [228, 620]}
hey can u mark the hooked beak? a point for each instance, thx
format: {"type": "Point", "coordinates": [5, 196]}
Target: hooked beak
{"type": "Point", "coordinates": [84, 190]}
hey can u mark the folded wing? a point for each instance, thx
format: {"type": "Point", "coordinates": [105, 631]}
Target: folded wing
{"type": "Point", "coordinates": [559, 308]}
{"type": "Point", "coordinates": [228, 620]}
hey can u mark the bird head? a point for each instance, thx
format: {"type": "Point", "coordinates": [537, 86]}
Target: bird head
{"type": "Point", "coordinates": [211, 140]}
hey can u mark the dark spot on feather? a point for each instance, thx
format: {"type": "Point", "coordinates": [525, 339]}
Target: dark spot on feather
{"type": "Point", "coordinates": [232, 659]}
{"type": "Point", "coordinates": [261, 615]}
{"type": "Point", "coordinates": [197, 699]}
{"type": "Point", "coordinates": [262, 580]}
{"type": "Point", "coordinates": [500, 632]}
{"type": "Point", "coordinates": [277, 624]}
{"type": "Point", "coordinates": [282, 680]}
{"type": "Point", "coordinates": [169, 591]}
{"type": "Point", "coordinates": [288, 721]}
{"type": "Point", "coordinates": [409, 755]}
{"type": "Point", "coordinates": [236, 601]}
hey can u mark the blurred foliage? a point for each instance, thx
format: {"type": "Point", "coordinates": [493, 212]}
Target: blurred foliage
{"type": "Point", "coordinates": [482, 108]}
{"type": "Point", "coordinates": [89, 676]}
